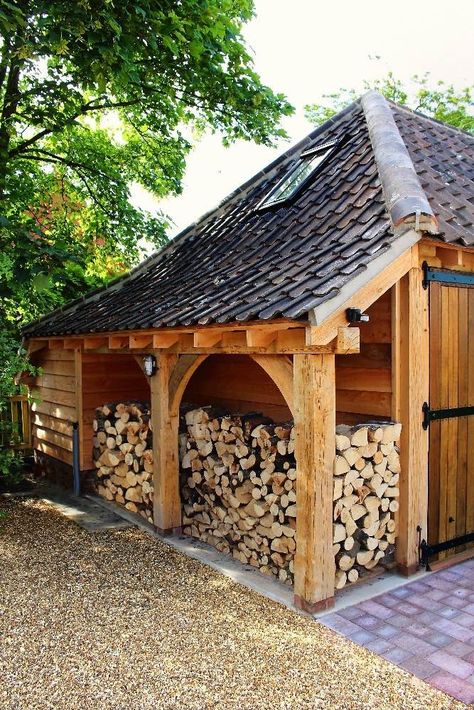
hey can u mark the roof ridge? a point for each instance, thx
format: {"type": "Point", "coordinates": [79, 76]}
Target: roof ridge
{"type": "Point", "coordinates": [405, 199]}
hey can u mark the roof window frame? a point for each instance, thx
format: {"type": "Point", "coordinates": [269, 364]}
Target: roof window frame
{"type": "Point", "coordinates": [328, 148]}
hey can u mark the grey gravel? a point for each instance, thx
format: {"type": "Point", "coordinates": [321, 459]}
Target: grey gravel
{"type": "Point", "coordinates": [117, 619]}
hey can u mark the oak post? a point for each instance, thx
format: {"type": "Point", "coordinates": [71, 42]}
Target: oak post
{"type": "Point", "coordinates": [315, 421]}
{"type": "Point", "coordinates": [166, 498]}
{"type": "Point", "coordinates": [414, 390]}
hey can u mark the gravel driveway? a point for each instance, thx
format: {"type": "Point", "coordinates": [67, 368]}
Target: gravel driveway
{"type": "Point", "coordinates": [119, 620]}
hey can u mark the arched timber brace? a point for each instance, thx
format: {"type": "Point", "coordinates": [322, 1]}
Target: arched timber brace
{"type": "Point", "coordinates": [315, 421]}
{"type": "Point", "coordinates": [280, 369]}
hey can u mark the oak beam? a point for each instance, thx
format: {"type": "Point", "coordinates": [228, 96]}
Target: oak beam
{"type": "Point", "coordinates": [164, 422]}
{"type": "Point", "coordinates": [140, 342]}
{"type": "Point", "coordinates": [118, 342]}
{"type": "Point", "coordinates": [207, 338]}
{"type": "Point", "coordinates": [315, 422]}
{"type": "Point", "coordinates": [348, 341]}
{"type": "Point", "coordinates": [165, 340]}
{"type": "Point", "coordinates": [414, 390]}
{"type": "Point", "coordinates": [35, 345]}
{"type": "Point", "coordinates": [260, 338]}
{"type": "Point", "coordinates": [96, 342]}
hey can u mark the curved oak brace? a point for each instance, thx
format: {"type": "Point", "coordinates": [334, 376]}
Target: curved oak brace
{"type": "Point", "coordinates": [280, 369]}
{"type": "Point", "coordinates": [182, 372]}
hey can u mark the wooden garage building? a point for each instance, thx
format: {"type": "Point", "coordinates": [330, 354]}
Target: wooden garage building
{"type": "Point", "coordinates": [249, 308]}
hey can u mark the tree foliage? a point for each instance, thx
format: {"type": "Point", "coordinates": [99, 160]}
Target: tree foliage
{"type": "Point", "coordinates": [437, 100]}
{"type": "Point", "coordinates": [96, 95]}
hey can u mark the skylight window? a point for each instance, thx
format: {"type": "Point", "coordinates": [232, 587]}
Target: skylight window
{"type": "Point", "coordinates": [294, 181]}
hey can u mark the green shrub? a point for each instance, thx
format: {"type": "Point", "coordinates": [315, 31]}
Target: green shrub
{"type": "Point", "coordinates": [11, 468]}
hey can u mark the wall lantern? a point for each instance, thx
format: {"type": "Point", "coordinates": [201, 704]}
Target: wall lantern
{"type": "Point", "coordinates": [149, 365]}
{"type": "Point", "coordinates": [355, 315]}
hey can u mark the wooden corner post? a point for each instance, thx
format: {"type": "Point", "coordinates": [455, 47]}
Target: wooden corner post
{"type": "Point", "coordinates": [315, 422]}
{"type": "Point", "coordinates": [414, 390]}
{"type": "Point", "coordinates": [166, 498]}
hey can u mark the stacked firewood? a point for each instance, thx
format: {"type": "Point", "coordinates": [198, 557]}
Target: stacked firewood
{"type": "Point", "coordinates": [366, 490]}
{"type": "Point", "coordinates": [238, 481]}
{"type": "Point", "coordinates": [123, 455]}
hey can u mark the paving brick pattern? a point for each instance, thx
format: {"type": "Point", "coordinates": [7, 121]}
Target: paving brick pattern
{"type": "Point", "coordinates": [425, 627]}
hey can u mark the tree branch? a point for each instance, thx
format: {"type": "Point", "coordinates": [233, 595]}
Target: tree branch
{"type": "Point", "coordinates": [47, 157]}
{"type": "Point", "coordinates": [86, 108]}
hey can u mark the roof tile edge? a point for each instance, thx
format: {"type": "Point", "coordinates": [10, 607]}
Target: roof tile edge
{"type": "Point", "coordinates": [406, 201]}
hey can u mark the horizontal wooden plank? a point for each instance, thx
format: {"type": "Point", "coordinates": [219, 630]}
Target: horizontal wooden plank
{"type": "Point", "coordinates": [65, 383]}
{"type": "Point", "coordinates": [52, 437]}
{"type": "Point", "coordinates": [58, 411]}
{"type": "Point", "coordinates": [49, 422]}
{"type": "Point", "coordinates": [364, 379]}
{"type": "Point", "coordinates": [376, 331]}
{"type": "Point", "coordinates": [115, 381]}
{"type": "Point", "coordinates": [58, 367]}
{"type": "Point", "coordinates": [377, 404]}
{"type": "Point", "coordinates": [371, 355]}
{"type": "Point", "coordinates": [47, 355]}
{"type": "Point", "coordinates": [52, 450]}
{"type": "Point", "coordinates": [352, 418]}
{"type": "Point", "coordinates": [91, 400]}
{"type": "Point", "coordinates": [54, 396]}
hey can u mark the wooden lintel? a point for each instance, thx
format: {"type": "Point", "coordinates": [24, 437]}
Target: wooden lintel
{"type": "Point", "coordinates": [207, 338]}
{"type": "Point", "coordinates": [95, 342]}
{"type": "Point", "coordinates": [165, 340]}
{"type": "Point", "coordinates": [347, 341]}
{"type": "Point", "coordinates": [139, 342]}
{"type": "Point", "coordinates": [260, 338]}
{"type": "Point", "coordinates": [117, 342]}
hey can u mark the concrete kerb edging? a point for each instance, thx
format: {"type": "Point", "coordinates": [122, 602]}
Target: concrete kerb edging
{"type": "Point", "coordinates": [254, 580]}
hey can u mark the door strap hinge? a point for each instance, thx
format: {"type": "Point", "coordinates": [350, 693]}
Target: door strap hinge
{"type": "Point", "coordinates": [430, 415]}
{"type": "Point", "coordinates": [426, 551]}
{"type": "Point", "coordinates": [445, 276]}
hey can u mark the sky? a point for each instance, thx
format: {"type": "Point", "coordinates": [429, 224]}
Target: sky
{"type": "Point", "coordinates": [305, 49]}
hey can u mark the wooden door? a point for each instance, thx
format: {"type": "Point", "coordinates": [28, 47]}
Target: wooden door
{"type": "Point", "coordinates": [451, 456]}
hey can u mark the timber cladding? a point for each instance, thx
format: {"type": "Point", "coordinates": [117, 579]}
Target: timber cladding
{"type": "Point", "coordinates": [107, 378]}
{"type": "Point", "coordinates": [54, 408]}
{"type": "Point", "coordinates": [364, 381]}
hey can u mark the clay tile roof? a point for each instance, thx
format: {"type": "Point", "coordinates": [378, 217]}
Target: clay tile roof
{"type": "Point", "coordinates": [393, 170]}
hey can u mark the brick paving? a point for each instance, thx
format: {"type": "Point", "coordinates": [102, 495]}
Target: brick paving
{"type": "Point", "coordinates": [425, 627]}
